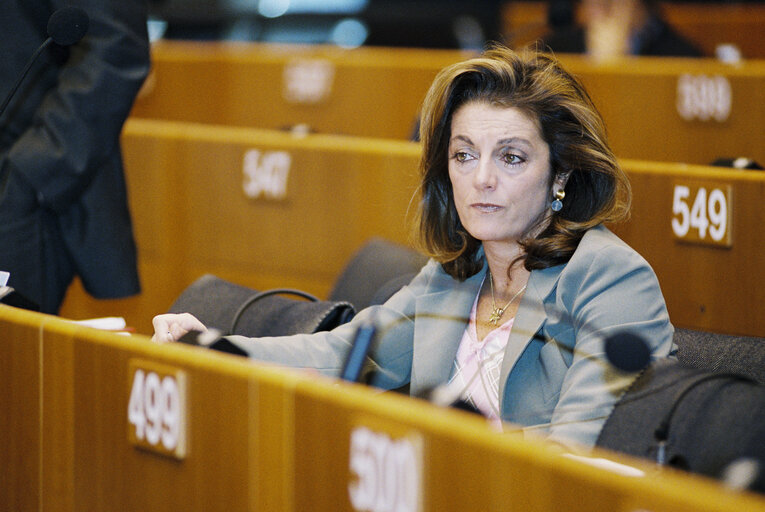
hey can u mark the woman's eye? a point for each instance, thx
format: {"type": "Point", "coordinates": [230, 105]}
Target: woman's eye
{"type": "Point", "coordinates": [511, 159]}
{"type": "Point", "coordinates": [461, 156]}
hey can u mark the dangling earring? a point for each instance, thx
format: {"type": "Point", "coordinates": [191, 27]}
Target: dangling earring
{"type": "Point", "coordinates": [557, 203]}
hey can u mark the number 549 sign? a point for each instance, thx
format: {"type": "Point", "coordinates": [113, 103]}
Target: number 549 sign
{"type": "Point", "coordinates": [701, 212]}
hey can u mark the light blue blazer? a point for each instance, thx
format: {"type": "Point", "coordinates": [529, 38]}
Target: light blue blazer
{"type": "Point", "coordinates": [555, 378]}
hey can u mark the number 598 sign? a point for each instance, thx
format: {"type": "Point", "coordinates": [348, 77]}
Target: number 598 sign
{"type": "Point", "coordinates": [157, 408]}
{"type": "Point", "coordinates": [701, 213]}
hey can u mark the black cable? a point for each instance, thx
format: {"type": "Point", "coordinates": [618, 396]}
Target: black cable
{"type": "Point", "coordinates": [37, 52]}
{"type": "Point", "coordinates": [246, 304]}
{"type": "Point", "coordinates": [661, 434]}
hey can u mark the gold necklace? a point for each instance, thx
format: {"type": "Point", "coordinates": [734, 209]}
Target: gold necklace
{"type": "Point", "coordinates": [496, 313]}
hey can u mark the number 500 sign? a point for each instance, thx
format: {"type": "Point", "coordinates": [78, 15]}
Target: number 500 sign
{"type": "Point", "coordinates": [702, 213]}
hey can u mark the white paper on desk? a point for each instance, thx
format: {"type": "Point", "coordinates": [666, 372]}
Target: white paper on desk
{"type": "Point", "coordinates": [614, 467]}
{"type": "Point", "coordinates": [109, 323]}
{"type": "Point", "coordinates": [4, 277]}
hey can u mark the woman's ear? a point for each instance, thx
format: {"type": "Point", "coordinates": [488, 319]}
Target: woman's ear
{"type": "Point", "coordinates": [559, 183]}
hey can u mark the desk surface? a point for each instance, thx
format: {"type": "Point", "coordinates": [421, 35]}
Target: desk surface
{"type": "Point", "coordinates": [260, 438]}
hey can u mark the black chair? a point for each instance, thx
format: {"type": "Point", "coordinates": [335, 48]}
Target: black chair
{"type": "Point", "coordinates": [701, 412]}
{"type": "Point", "coordinates": [722, 353]}
{"type": "Point", "coordinates": [374, 273]}
{"type": "Point", "coordinates": [377, 271]}
{"type": "Point", "coordinates": [235, 309]}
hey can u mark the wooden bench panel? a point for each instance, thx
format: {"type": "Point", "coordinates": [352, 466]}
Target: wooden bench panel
{"type": "Point", "coordinates": [193, 217]}
{"type": "Point", "coordinates": [262, 438]}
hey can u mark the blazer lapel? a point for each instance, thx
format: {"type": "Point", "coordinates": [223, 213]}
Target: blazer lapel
{"type": "Point", "coordinates": [441, 318]}
{"type": "Point", "coordinates": [529, 319]}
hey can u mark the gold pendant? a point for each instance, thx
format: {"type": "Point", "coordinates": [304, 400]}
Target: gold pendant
{"type": "Point", "coordinates": [496, 314]}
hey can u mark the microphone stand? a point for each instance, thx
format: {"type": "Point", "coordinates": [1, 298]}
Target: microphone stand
{"type": "Point", "coordinates": [31, 61]}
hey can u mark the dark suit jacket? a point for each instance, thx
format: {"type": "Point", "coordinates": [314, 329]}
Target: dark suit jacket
{"type": "Point", "coordinates": [63, 200]}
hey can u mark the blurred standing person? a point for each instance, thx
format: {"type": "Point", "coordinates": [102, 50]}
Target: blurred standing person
{"type": "Point", "coordinates": [614, 27]}
{"type": "Point", "coordinates": [63, 199]}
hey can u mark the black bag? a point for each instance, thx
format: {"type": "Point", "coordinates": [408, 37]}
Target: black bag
{"type": "Point", "coordinates": [235, 309]}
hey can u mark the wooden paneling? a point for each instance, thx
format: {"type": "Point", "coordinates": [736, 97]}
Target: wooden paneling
{"type": "Point", "coordinates": [376, 92]}
{"type": "Point", "coordinates": [192, 217]}
{"type": "Point", "coordinates": [706, 287]}
{"type": "Point", "coordinates": [639, 100]}
{"type": "Point", "coordinates": [707, 24]}
{"type": "Point", "coordinates": [260, 438]}
{"type": "Point", "coordinates": [371, 92]}
{"type": "Point", "coordinates": [20, 414]}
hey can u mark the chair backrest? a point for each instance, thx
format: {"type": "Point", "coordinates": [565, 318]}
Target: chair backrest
{"type": "Point", "coordinates": [377, 271]}
{"type": "Point", "coordinates": [711, 419]}
{"type": "Point", "coordinates": [722, 353]}
{"type": "Point", "coordinates": [236, 309]}
{"type": "Point", "coordinates": [710, 403]}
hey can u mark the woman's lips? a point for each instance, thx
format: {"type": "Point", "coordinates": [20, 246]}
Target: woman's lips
{"type": "Point", "coordinates": [486, 207]}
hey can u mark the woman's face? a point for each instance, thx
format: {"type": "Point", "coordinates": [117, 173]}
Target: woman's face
{"type": "Point", "coordinates": [499, 167]}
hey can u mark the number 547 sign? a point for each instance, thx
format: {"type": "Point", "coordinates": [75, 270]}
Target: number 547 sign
{"type": "Point", "coordinates": [701, 212]}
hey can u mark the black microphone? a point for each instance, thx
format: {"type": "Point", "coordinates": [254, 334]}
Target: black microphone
{"type": "Point", "coordinates": [627, 351]}
{"type": "Point", "coordinates": [356, 358]}
{"type": "Point", "coordinates": [353, 366]}
{"type": "Point", "coordinates": [66, 27]}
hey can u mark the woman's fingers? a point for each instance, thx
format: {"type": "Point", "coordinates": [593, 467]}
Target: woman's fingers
{"type": "Point", "coordinates": [170, 326]}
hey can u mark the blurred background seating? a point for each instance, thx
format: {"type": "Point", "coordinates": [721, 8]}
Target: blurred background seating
{"type": "Point", "coordinates": [721, 28]}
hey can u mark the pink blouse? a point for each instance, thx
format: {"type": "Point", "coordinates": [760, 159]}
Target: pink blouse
{"type": "Point", "coordinates": [478, 364]}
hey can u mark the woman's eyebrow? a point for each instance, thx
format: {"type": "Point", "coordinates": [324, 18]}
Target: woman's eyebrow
{"type": "Point", "coordinates": [514, 140]}
{"type": "Point", "coordinates": [502, 142]}
{"type": "Point", "coordinates": [463, 138]}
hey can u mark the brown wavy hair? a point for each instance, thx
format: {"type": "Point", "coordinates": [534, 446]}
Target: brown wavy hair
{"type": "Point", "coordinates": [597, 189]}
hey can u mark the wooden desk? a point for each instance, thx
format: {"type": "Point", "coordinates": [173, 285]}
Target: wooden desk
{"type": "Point", "coordinates": [192, 216]}
{"type": "Point", "coordinates": [678, 110]}
{"type": "Point", "coordinates": [707, 287]}
{"type": "Point", "coordinates": [707, 24]}
{"type": "Point", "coordinates": [259, 438]}
{"type": "Point", "coordinates": [370, 92]}
{"type": "Point", "coordinates": [674, 110]}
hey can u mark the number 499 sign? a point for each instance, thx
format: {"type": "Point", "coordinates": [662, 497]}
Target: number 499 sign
{"type": "Point", "coordinates": [701, 212]}
{"type": "Point", "coordinates": [157, 408]}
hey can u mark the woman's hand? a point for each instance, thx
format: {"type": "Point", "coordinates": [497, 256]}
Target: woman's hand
{"type": "Point", "coordinates": [170, 327]}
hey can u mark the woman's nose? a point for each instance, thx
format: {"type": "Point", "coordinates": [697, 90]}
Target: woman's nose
{"type": "Point", "coordinates": [485, 175]}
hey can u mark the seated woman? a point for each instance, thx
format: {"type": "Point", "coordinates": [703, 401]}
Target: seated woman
{"type": "Point", "coordinates": [524, 282]}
